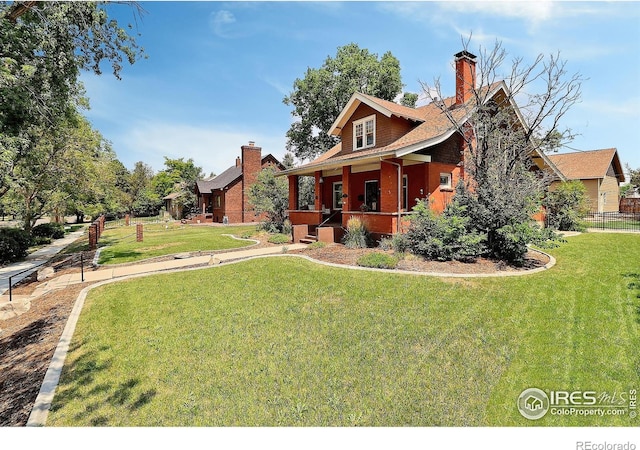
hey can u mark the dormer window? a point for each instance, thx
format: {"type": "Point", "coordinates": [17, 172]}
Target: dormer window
{"type": "Point", "coordinates": [364, 133]}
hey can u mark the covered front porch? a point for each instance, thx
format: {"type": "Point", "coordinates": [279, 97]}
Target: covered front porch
{"type": "Point", "coordinates": [381, 192]}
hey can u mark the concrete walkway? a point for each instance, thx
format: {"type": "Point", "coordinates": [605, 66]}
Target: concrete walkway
{"type": "Point", "coordinates": [136, 269]}
{"type": "Point", "coordinates": [34, 260]}
{"type": "Point", "coordinates": [21, 303]}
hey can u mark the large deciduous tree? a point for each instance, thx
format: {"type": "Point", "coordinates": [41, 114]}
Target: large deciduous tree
{"type": "Point", "coordinates": [45, 46]}
{"type": "Point", "coordinates": [270, 195]}
{"type": "Point", "coordinates": [179, 177]}
{"type": "Point", "coordinates": [68, 169]}
{"type": "Point", "coordinates": [502, 189]}
{"type": "Point", "coordinates": [318, 98]}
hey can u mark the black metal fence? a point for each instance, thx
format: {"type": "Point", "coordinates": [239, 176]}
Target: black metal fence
{"type": "Point", "coordinates": [613, 221]}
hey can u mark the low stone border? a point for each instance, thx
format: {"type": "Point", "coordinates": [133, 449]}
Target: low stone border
{"type": "Point", "coordinates": [40, 411]}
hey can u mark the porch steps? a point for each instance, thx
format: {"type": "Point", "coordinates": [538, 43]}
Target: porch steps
{"type": "Point", "coordinates": [309, 239]}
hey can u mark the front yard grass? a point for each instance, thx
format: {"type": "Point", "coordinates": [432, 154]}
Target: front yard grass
{"type": "Point", "coordinates": [165, 239]}
{"type": "Point", "coordinates": [283, 341]}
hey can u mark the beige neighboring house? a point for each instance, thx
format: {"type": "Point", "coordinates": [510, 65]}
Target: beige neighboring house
{"type": "Point", "coordinates": [599, 170]}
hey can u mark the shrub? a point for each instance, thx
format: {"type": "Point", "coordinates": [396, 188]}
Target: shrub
{"type": "Point", "coordinates": [51, 230]}
{"type": "Point", "coordinates": [566, 206]}
{"type": "Point", "coordinates": [14, 244]}
{"type": "Point", "coordinates": [317, 245]}
{"type": "Point", "coordinates": [287, 228]}
{"type": "Point", "coordinates": [279, 239]}
{"type": "Point", "coordinates": [444, 237]}
{"type": "Point", "coordinates": [356, 235]}
{"type": "Point", "coordinates": [398, 243]}
{"type": "Point", "coordinates": [41, 240]}
{"type": "Point", "coordinates": [378, 260]}
{"type": "Point", "coordinates": [269, 227]}
{"type": "Point", "coordinates": [512, 241]}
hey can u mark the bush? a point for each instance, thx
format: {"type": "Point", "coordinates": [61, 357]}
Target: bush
{"type": "Point", "coordinates": [378, 260]}
{"type": "Point", "coordinates": [566, 206]}
{"type": "Point", "coordinates": [318, 244]}
{"type": "Point", "coordinates": [357, 235]}
{"type": "Point", "coordinates": [287, 228]}
{"type": "Point", "coordinates": [14, 244]}
{"type": "Point", "coordinates": [398, 243]}
{"type": "Point", "coordinates": [444, 237]}
{"type": "Point", "coordinates": [512, 241]}
{"type": "Point", "coordinates": [279, 239]}
{"type": "Point", "coordinates": [51, 230]}
{"type": "Point", "coordinates": [41, 240]}
{"type": "Point", "coordinates": [269, 227]}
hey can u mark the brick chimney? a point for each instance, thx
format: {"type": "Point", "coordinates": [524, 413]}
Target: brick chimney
{"type": "Point", "coordinates": [465, 76]}
{"type": "Point", "coordinates": [238, 162]}
{"type": "Point", "coordinates": [251, 167]}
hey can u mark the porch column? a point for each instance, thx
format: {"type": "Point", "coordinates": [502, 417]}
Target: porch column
{"type": "Point", "coordinates": [389, 189]}
{"type": "Point", "coordinates": [318, 191]}
{"type": "Point", "coordinates": [293, 192]}
{"type": "Point", "coordinates": [346, 197]}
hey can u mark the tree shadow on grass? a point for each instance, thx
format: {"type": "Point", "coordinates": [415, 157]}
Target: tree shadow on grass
{"type": "Point", "coordinates": [78, 389]}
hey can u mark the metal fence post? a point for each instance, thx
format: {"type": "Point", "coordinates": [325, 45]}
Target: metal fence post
{"type": "Point", "coordinates": [82, 265]}
{"type": "Point", "coordinates": [10, 288]}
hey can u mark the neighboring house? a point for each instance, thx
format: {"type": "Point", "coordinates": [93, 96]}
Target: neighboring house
{"type": "Point", "coordinates": [225, 198]}
{"type": "Point", "coordinates": [172, 206]}
{"type": "Point", "coordinates": [599, 170]}
{"type": "Point", "coordinates": [389, 156]}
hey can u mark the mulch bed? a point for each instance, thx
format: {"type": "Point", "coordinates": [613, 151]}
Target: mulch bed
{"type": "Point", "coordinates": [27, 342]}
{"type": "Point", "coordinates": [339, 254]}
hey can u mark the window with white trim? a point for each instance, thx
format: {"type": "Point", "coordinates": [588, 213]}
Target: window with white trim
{"type": "Point", "coordinates": [445, 180]}
{"type": "Point", "coordinates": [364, 133]}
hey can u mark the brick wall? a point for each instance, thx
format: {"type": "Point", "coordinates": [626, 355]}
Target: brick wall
{"type": "Point", "coordinates": [251, 167]}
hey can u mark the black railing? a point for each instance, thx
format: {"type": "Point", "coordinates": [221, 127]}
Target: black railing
{"type": "Point", "coordinates": [612, 221]}
{"type": "Point", "coordinates": [15, 275]}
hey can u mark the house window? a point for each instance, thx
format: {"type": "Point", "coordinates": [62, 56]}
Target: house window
{"type": "Point", "coordinates": [371, 195]}
{"type": "Point", "coordinates": [337, 195]}
{"type": "Point", "coordinates": [364, 133]}
{"type": "Point", "coordinates": [405, 192]}
{"type": "Point", "coordinates": [445, 180]}
{"type": "Point", "coordinates": [217, 201]}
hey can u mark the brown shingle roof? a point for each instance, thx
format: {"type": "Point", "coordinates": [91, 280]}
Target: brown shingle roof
{"type": "Point", "coordinates": [588, 165]}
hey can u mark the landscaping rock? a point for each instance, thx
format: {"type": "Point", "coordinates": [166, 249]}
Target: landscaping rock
{"type": "Point", "coordinates": [182, 256]}
{"type": "Point", "coordinates": [45, 273]}
{"type": "Point", "coordinates": [14, 309]}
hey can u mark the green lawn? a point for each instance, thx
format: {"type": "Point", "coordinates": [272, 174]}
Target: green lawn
{"type": "Point", "coordinates": [283, 341]}
{"type": "Point", "coordinates": [164, 239]}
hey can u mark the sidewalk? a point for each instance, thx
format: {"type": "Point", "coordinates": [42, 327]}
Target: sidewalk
{"type": "Point", "coordinates": [22, 303]}
{"type": "Point", "coordinates": [34, 260]}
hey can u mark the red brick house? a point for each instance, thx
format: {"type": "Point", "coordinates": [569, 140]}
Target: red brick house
{"type": "Point", "coordinates": [389, 155]}
{"type": "Point", "coordinates": [224, 198]}
{"type": "Point", "coordinates": [599, 170]}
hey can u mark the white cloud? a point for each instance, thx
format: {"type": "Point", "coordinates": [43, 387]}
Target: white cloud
{"type": "Point", "coordinates": [221, 23]}
{"type": "Point", "coordinates": [214, 148]}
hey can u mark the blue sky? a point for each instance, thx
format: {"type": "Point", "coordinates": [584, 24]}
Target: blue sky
{"type": "Point", "coordinates": [217, 72]}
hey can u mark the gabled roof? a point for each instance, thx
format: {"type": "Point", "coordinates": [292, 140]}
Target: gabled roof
{"type": "Point", "coordinates": [433, 127]}
{"type": "Point", "coordinates": [382, 106]}
{"type": "Point", "coordinates": [231, 175]}
{"type": "Point", "coordinates": [587, 165]}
